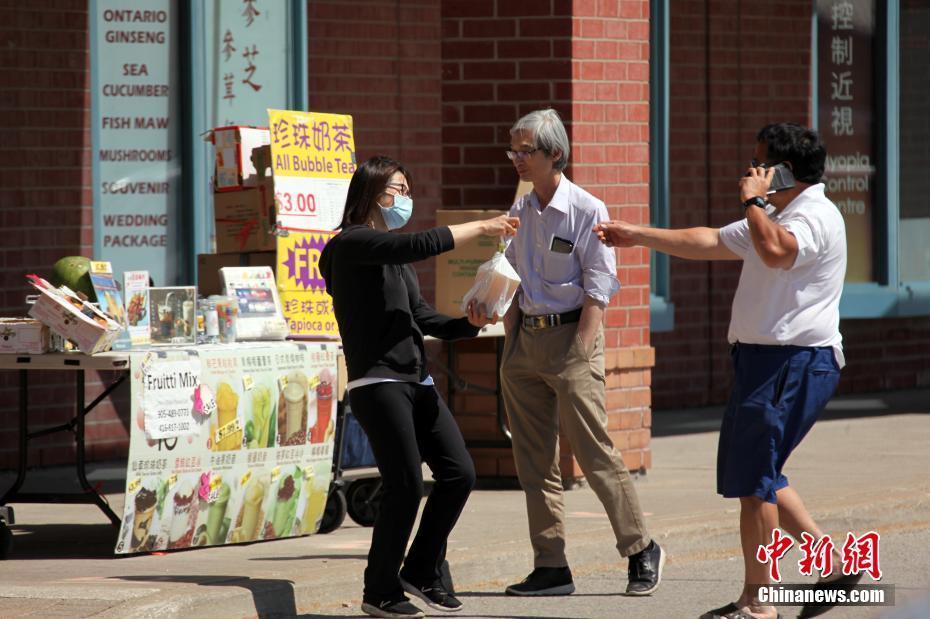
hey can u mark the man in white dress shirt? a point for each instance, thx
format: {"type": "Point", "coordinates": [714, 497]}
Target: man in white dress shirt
{"type": "Point", "coordinates": [552, 369]}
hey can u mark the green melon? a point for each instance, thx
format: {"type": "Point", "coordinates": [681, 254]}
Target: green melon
{"type": "Point", "coordinates": [74, 272]}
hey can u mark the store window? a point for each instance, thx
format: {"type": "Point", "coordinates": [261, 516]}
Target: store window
{"type": "Point", "coordinates": [871, 73]}
{"type": "Point", "coordinates": [914, 131]}
{"type": "Point", "coordinates": [163, 74]}
{"type": "Point", "coordinates": [846, 51]}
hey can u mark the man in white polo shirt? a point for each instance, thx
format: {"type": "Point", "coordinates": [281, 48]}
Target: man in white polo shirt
{"type": "Point", "coordinates": [784, 332]}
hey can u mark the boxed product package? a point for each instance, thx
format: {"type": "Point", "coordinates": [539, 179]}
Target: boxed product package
{"type": "Point", "coordinates": [79, 321]}
{"type": "Point", "coordinates": [245, 219]}
{"type": "Point", "coordinates": [456, 269]}
{"type": "Point", "coordinates": [23, 336]}
{"type": "Point", "coordinates": [209, 265]}
{"type": "Point", "coordinates": [256, 293]}
{"type": "Point", "coordinates": [236, 159]}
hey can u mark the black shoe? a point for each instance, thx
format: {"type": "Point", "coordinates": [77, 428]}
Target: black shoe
{"type": "Point", "coordinates": [545, 581]}
{"type": "Point", "coordinates": [843, 582]}
{"type": "Point", "coordinates": [645, 571]}
{"type": "Point", "coordinates": [397, 608]}
{"type": "Point", "coordinates": [434, 595]}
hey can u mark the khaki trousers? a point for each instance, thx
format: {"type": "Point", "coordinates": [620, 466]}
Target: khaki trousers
{"type": "Point", "coordinates": [550, 381]}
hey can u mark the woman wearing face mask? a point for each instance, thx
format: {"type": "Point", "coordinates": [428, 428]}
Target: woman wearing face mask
{"type": "Point", "coordinates": [382, 320]}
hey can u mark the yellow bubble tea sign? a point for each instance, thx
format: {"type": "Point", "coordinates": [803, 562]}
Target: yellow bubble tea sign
{"type": "Point", "coordinates": [313, 159]}
{"type": "Point", "coordinates": [308, 309]}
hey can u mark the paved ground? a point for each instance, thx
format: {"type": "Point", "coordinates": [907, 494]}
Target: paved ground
{"type": "Point", "coordinates": [864, 466]}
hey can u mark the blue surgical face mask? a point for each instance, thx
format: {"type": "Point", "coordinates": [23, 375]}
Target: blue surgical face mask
{"type": "Point", "coordinates": [398, 215]}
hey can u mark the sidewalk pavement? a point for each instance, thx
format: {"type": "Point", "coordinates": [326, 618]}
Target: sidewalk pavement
{"type": "Point", "coordinates": [863, 467]}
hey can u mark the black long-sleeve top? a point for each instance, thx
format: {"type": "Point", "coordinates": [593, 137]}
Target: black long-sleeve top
{"type": "Point", "coordinates": [376, 298]}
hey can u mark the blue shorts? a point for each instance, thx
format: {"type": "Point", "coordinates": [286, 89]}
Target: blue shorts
{"type": "Point", "coordinates": [778, 394]}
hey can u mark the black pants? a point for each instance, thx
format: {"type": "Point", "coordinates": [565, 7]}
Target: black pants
{"type": "Point", "coordinates": [408, 424]}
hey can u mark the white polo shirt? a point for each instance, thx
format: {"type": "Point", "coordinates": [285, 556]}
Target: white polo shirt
{"type": "Point", "coordinates": [799, 306]}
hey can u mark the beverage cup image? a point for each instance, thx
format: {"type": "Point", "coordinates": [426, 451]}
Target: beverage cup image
{"type": "Point", "coordinates": [145, 502]}
{"type": "Point", "coordinates": [285, 507]}
{"type": "Point", "coordinates": [166, 321]}
{"type": "Point", "coordinates": [295, 405]}
{"type": "Point", "coordinates": [227, 311]}
{"type": "Point", "coordinates": [315, 502]}
{"type": "Point", "coordinates": [187, 315]}
{"type": "Point", "coordinates": [216, 516]}
{"type": "Point", "coordinates": [251, 509]}
{"type": "Point", "coordinates": [324, 412]}
{"type": "Point", "coordinates": [262, 408]}
{"type": "Point", "coordinates": [182, 521]}
{"type": "Point", "coordinates": [227, 406]}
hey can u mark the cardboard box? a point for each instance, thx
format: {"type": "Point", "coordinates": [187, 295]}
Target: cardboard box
{"type": "Point", "coordinates": [209, 265]}
{"type": "Point", "coordinates": [245, 219]}
{"type": "Point", "coordinates": [237, 164]}
{"type": "Point", "coordinates": [456, 269]}
{"type": "Point", "coordinates": [23, 336]}
{"type": "Point", "coordinates": [86, 326]}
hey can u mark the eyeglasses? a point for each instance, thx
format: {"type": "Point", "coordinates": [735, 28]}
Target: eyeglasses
{"type": "Point", "coordinates": [522, 155]}
{"type": "Point", "coordinates": [400, 189]}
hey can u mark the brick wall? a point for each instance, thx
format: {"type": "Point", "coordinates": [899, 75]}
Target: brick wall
{"type": "Point", "coordinates": [45, 204]}
{"type": "Point", "coordinates": [378, 60]}
{"type": "Point", "coordinates": [589, 61]}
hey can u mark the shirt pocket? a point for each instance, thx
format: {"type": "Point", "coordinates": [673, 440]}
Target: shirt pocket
{"type": "Point", "coordinates": [559, 268]}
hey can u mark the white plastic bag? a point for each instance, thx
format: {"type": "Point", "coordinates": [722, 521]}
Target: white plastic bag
{"type": "Point", "coordinates": [495, 284]}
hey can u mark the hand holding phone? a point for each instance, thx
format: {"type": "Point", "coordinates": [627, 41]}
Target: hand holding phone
{"type": "Point", "coordinates": [782, 179]}
{"type": "Point", "coordinates": [762, 179]}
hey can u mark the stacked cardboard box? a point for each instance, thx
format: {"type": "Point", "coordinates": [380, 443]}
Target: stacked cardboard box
{"type": "Point", "coordinates": [243, 204]}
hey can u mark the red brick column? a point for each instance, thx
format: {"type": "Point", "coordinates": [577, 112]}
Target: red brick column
{"type": "Point", "coordinates": [588, 60]}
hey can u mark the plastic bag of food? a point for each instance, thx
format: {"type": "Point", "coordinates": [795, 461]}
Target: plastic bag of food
{"type": "Point", "coordinates": [495, 284]}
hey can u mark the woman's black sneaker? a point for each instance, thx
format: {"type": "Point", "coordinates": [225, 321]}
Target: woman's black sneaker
{"type": "Point", "coordinates": [545, 581]}
{"type": "Point", "coordinates": [397, 608]}
{"type": "Point", "coordinates": [435, 595]}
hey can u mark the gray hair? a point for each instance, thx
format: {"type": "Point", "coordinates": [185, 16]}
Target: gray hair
{"type": "Point", "coordinates": [549, 133]}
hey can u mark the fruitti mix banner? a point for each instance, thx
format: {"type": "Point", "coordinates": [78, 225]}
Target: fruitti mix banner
{"type": "Point", "coordinates": [228, 444]}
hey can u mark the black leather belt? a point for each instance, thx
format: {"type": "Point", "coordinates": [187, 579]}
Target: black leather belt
{"type": "Point", "coordinates": [544, 321]}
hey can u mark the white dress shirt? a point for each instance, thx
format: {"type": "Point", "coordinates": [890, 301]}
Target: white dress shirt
{"type": "Point", "coordinates": [553, 281]}
{"type": "Point", "coordinates": [799, 306]}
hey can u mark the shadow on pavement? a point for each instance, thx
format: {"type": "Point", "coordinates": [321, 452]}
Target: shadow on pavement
{"type": "Point", "coordinates": [675, 422]}
{"type": "Point", "coordinates": [63, 541]}
{"type": "Point", "coordinates": [273, 597]}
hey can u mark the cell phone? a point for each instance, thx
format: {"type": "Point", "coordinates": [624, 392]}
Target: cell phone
{"type": "Point", "coordinates": [561, 246]}
{"type": "Point", "coordinates": [782, 179]}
